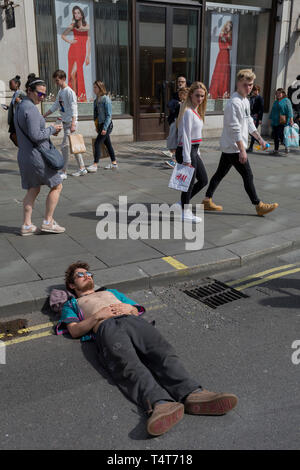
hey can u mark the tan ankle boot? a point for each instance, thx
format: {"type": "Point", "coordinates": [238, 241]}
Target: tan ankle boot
{"type": "Point", "coordinates": [209, 403]}
{"type": "Point", "coordinates": [209, 205]}
{"type": "Point", "coordinates": [263, 209]}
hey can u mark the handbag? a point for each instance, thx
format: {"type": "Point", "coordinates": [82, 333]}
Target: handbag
{"type": "Point", "coordinates": [52, 157]}
{"type": "Point", "coordinates": [77, 144]}
{"type": "Point", "coordinates": [282, 119]}
{"type": "Point", "coordinates": [181, 177]}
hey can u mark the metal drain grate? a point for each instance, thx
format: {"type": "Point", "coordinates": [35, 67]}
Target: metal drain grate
{"type": "Point", "coordinates": [214, 293]}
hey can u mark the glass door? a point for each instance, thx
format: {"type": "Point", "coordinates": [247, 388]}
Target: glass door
{"type": "Point", "coordinates": [167, 46]}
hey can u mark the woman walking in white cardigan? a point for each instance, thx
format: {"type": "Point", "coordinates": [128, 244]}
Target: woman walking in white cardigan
{"type": "Point", "coordinates": [190, 124]}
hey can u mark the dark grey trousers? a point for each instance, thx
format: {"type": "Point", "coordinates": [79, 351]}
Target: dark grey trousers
{"type": "Point", "coordinates": [141, 362]}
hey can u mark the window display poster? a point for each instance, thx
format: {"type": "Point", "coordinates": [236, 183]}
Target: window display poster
{"type": "Point", "coordinates": [76, 47]}
{"type": "Point", "coordinates": [223, 55]}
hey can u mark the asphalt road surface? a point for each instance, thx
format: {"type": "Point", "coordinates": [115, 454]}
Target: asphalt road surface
{"type": "Point", "coordinates": [55, 396]}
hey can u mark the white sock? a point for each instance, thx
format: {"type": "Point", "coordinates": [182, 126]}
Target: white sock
{"type": "Point", "coordinates": [46, 222]}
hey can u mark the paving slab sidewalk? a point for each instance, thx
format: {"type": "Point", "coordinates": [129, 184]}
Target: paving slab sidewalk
{"type": "Point", "coordinates": [31, 266]}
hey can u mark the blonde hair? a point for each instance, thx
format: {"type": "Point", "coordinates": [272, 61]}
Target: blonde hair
{"type": "Point", "coordinates": [246, 74]}
{"type": "Point", "coordinates": [188, 102]}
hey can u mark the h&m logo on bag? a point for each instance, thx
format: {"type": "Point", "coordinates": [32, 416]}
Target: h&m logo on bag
{"type": "Point", "coordinates": [181, 177]}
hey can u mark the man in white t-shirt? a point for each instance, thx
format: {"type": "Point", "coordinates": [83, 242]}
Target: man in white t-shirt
{"type": "Point", "coordinates": [66, 102]}
{"type": "Point", "coordinates": [238, 124]}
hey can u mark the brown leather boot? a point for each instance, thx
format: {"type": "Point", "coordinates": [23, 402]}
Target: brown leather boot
{"type": "Point", "coordinates": [263, 209]}
{"type": "Point", "coordinates": [164, 417]}
{"type": "Point", "coordinates": [209, 205]}
{"type": "Point", "coordinates": [209, 403]}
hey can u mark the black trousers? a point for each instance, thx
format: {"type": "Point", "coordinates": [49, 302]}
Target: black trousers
{"type": "Point", "coordinates": [226, 162]}
{"type": "Point", "coordinates": [103, 139]}
{"type": "Point", "coordinates": [199, 174]}
{"type": "Point", "coordinates": [278, 133]}
{"type": "Point", "coordinates": [256, 123]}
{"type": "Point", "coordinates": [141, 362]}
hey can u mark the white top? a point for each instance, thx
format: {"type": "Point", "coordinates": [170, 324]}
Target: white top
{"type": "Point", "coordinates": [189, 132]}
{"type": "Point", "coordinates": [66, 102]}
{"type": "Point", "coordinates": [238, 124]}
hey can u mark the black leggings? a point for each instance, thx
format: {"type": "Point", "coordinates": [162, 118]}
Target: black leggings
{"type": "Point", "coordinates": [278, 133]}
{"type": "Point", "coordinates": [226, 162]}
{"type": "Point", "coordinates": [199, 173]}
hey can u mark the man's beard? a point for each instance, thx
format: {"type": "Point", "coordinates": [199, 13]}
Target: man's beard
{"type": "Point", "coordinates": [87, 286]}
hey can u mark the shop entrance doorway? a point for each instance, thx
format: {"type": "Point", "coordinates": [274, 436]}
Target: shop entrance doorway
{"type": "Point", "coordinates": [167, 45]}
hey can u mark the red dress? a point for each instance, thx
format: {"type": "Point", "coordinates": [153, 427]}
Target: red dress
{"type": "Point", "coordinates": [77, 54]}
{"type": "Point", "coordinates": [220, 82]}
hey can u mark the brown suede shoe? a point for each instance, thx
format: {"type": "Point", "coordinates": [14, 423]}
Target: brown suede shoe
{"type": "Point", "coordinates": [164, 417]}
{"type": "Point", "coordinates": [263, 209]}
{"type": "Point", "coordinates": [209, 205]}
{"type": "Point", "coordinates": [209, 403]}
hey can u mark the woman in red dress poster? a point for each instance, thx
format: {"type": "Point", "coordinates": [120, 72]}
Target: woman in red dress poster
{"type": "Point", "coordinates": [220, 82]}
{"type": "Point", "coordinates": [79, 52]}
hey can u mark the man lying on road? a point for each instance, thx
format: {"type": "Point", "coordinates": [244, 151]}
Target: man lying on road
{"type": "Point", "coordinates": [124, 338]}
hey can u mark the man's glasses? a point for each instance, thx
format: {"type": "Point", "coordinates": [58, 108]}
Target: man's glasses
{"type": "Point", "coordinates": [87, 273]}
{"type": "Point", "coordinates": [41, 95]}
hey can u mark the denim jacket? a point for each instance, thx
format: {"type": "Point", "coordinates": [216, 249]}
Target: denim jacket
{"type": "Point", "coordinates": [103, 111]}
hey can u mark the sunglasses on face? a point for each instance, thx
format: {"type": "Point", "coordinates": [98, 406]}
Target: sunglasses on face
{"type": "Point", "coordinates": [40, 94]}
{"type": "Point", "coordinates": [87, 273]}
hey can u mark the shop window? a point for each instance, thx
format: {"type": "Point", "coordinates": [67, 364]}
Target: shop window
{"type": "Point", "coordinates": [236, 38]}
{"type": "Point", "coordinates": [89, 41]}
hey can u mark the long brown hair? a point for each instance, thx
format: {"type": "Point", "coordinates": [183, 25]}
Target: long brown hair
{"type": "Point", "coordinates": [82, 17]}
{"type": "Point", "coordinates": [188, 102]}
{"type": "Point", "coordinates": [101, 87]}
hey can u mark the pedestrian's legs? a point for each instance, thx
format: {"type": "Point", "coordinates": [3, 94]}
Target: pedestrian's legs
{"type": "Point", "coordinates": [118, 355]}
{"type": "Point", "coordinates": [80, 161]}
{"type": "Point", "coordinates": [245, 171]}
{"type": "Point", "coordinates": [201, 176]}
{"type": "Point", "coordinates": [28, 204]}
{"type": "Point", "coordinates": [110, 149]}
{"type": "Point", "coordinates": [276, 137]}
{"type": "Point", "coordinates": [256, 122]}
{"type": "Point", "coordinates": [97, 149]}
{"type": "Point", "coordinates": [65, 145]}
{"type": "Point", "coordinates": [222, 170]}
{"type": "Point", "coordinates": [51, 202]}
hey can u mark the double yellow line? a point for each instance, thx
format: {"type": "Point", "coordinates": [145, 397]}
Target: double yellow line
{"type": "Point", "coordinates": [264, 276]}
{"type": "Point", "coordinates": [25, 331]}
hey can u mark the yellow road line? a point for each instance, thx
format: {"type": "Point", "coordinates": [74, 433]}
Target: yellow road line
{"type": "Point", "coordinates": [268, 278]}
{"type": "Point", "coordinates": [263, 273]}
{"type": "Point", "coordinates": [29, 329]}
{"type": "Point", "coordinates": [173, 262]}
{"type": "Point", "coordinates": [29, 338]}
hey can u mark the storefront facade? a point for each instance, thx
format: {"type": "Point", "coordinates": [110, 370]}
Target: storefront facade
{"type": "Point", "coordinates": [139, 47]}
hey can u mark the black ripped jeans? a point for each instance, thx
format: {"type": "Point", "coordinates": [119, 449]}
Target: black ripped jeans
{"type": "Point", "coordinates": [226, 162]}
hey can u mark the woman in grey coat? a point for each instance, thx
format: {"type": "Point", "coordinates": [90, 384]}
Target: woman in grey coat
{"type": "Point", "coordinates": [32, 132]}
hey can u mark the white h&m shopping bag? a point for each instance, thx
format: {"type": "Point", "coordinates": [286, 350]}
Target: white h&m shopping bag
{"type": "Point", "coordinates": [181, 177]}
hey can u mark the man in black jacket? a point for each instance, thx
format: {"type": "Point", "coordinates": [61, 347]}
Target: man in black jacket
{"type": "Point", "coordinates": [257, 111]}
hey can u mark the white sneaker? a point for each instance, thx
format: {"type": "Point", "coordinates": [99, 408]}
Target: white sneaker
{"type": "Point", "coordinates": [167, 153]}
{"type": "Point", "coordinates": [92, 169]}
{"type": "Point", "coordinates": [63, 175]}
{"type": "Point", "coordinates": [111, 166]}
{"type": "Point", "coordinates": [80, 172]}
{"type": "Point", "coordinates": [188, 216]}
